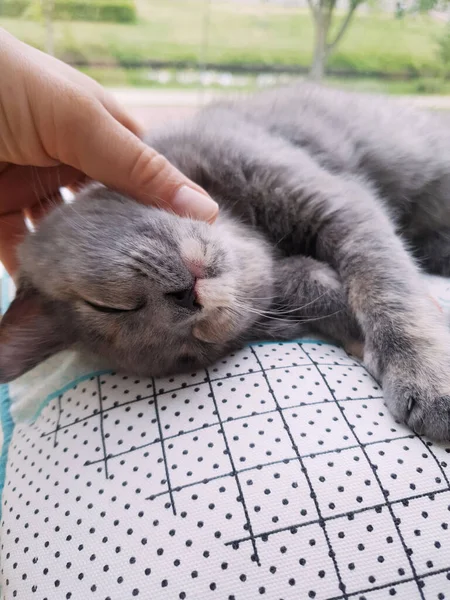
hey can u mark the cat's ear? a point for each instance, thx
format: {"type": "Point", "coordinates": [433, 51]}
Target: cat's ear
{"type": "Point", "coordinates": [29, 334]}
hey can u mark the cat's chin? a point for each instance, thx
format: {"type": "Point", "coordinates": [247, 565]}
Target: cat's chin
{"type": "Point", "coordinates": [219, 326]}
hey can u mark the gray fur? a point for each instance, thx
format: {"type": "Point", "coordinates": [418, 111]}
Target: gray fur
{"type": "Point", "coordinates": [325, 198]}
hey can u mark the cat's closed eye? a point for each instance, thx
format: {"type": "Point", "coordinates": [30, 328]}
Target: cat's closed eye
{"type": "Point", "coordinates": [112, 309]}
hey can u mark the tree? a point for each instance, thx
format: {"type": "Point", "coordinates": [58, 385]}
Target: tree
{"type": "Point", "coordinates": [47, 11]}
{"type": "Point", "coordinates": [323, 12]}
{"type": "Point", "coordinates": [443, 41]}
{"type": "Point", "coordinates": [43, 11]}
{"type": "Point", "coordinates": [444, 50]}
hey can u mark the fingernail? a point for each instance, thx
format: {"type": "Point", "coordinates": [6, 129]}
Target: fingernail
{"type": "Point", "coordinates": [190, 203]}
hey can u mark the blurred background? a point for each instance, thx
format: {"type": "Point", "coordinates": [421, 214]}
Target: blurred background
{"type": "Point", "coordinates": [163, 58]}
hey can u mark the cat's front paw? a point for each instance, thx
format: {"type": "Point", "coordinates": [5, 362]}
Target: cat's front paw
{"type": "Point", "coordinates": [419, 395]}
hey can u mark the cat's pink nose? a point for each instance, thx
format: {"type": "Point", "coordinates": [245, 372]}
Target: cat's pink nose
{"type": "Point", "coordinates": [196, 268]}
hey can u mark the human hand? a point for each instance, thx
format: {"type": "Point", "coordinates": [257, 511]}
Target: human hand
{"type": "Point", "coordinates": [58, 126]}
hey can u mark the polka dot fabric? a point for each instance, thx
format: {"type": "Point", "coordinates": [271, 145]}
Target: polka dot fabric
{"type": "Point", "coordinates": [277, 473]}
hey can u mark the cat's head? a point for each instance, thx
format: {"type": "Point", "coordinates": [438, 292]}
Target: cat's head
{"type": "Point", "coordinates": [151, 292]}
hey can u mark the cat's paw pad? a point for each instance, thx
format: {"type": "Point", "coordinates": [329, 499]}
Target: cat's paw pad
{"type": "Point", "coordinates": [431, 418]}
{"type": "Point", "coordinates": [423, 406]}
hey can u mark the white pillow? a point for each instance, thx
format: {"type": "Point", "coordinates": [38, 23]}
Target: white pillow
{"type": "Point", "coordinates": [278, 473]}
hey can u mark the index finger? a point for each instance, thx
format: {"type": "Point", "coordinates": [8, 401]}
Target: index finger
{"type": "Point", "coordinates": [111, 154]}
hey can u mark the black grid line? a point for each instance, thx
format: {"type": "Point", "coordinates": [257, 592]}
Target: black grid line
{"type": "Point", "coordinates": [355, 511]}
{"type": "Point", "coordinates": [55, 441]}
{"type": "Point", "coordinates": [216, 424]}
{"type": "Point", "coordinates": [105, 457]}
{"type": "Point", "coordinates": [163, 391]}
{"type": "Point", "coordinates": [394, 583]}
{"type": "Point", "coordinates": [95, 412]}
{"type": "Point", "coordinates": [308, 479]}
{"type": "Point", "coordinates": [166, 466]}
{"type": "Point", "coordinates": [204, 481]}
{"type": "Point", "coordinates": [235, 474]}
{"type": "Point", "coordinates": [227, 420]}
{"type": "Point", "coordinates": [383, 491]}
{"type": "Point", "coordinates": [260, 466]}
{"type": "Point", "coordinates": [435, 458]}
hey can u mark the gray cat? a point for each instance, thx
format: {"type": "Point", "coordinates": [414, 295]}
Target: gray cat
{"type": "Point", "coordinates": [325, 197]}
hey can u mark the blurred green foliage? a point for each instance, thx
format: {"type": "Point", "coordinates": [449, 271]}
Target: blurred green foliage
{"type": "Point", "coordinates": [264, 34]}
{"type": "Point", "coordinates": [13, 8]}
{"type": "Point", "coordinates": [172, 30]}
{"type": "Point", "coordinates": [115, 11]}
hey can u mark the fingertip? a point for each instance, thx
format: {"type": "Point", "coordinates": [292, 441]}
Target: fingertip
{"type": "Point", "coordinates": [190, 202]}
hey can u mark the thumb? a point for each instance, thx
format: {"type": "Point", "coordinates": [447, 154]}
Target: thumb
{"type": "Point", "coordinates": [111, 154]}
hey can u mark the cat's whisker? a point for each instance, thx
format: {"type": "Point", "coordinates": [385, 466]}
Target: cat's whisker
{"type": "Point", "coordinates": [280, 240]}
{"type": "Point", "coordinates": [292, 310]}
{"type": "Point", "coordinates": [269, 317]}
{"type": "Point", "coordinates": [36, 183]}
{"type": "Point", "coordinates": [72, 208]}
{"type": "Point", "coordinates": [278, 316]}
{"type": "Point", "coordinates": [46, 194]}
{"type": "Point", "coordinates": [35, 189]}
{"type": "Point", "coordinates": [311, 319]}
{"type": "Point", "coordinates": [325, 293]}
{"type": "Point", "coordinates": [253, 298]}
{"type": "Point", "coordinates": [262, 314]}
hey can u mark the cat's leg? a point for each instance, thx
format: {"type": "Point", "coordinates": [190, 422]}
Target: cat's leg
{"type": "Point", "coordinates": [309, 299]}
{"type": "Point", "coordinates": [407, 343]}
{"type": "Point", "coordinates": [433, 251]}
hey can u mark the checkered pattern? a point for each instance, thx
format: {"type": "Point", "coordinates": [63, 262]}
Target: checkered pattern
{"type": "Point", "coordinates": [279, 472]}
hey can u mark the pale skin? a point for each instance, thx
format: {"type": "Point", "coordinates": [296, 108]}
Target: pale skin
{"type": "Point", "coordinates": [58, 128]}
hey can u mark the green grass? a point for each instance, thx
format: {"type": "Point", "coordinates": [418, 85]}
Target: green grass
{"type": "Point", "coordinates": [173, 30]}
{"type": "Point", "coordinates": [421, 86]}
{"type": "Point", "coordinates": [120, 77]}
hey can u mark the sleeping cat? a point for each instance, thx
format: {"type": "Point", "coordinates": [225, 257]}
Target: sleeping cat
{"type": "Point", "coordinates": [325, 197]}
